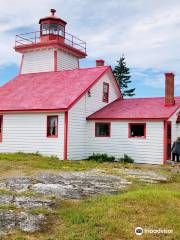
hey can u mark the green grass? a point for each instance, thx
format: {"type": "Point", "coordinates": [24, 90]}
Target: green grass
{"type": "Point", "coordinates": [105, 217]}
{"type": "Point", "coordinates": [115, 217]}
{"type": "Point", "coordinates": [28, 163]}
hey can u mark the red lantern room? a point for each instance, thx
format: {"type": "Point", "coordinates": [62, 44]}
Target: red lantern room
{"type": "Point", "coordinates": [52, 34]}
{"type": "Point", "coordinates": [52, 28]}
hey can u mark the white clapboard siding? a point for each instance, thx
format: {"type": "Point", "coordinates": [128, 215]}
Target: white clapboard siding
{"type": "Point", "coordinates": [77, 124]}
{"type": "Point", "coordinates": [94, 102]}
{"type": "Point", "coordinates": [77, 131]}
{"type": "Point", "coordinates": [175, 126]}
{"type": "Point", "coordinates": [38, 61]}
{"type": "Point", "coordinates": [27, 133]}
{"type": "Point", "coordinates": [178, 130]}
{"type": "Point", "coordinates": [148, 150]}
{"type": "Point", "coordinates": [66, 61]}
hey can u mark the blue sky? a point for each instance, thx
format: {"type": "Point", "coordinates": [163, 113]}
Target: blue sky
{"type": "Point", "coordinates": [146, 32]}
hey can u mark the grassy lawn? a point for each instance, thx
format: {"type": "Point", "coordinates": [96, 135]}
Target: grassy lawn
{"type": "Point", "coordinates": [105, 217]}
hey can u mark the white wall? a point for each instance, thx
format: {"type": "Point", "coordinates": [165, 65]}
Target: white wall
{"type": "Point", "coordinates": [95, 102]}
{"type": "Point", "coordinates": [77, 131]}
{"type": "Point", "coordinates": [38, 61]}
{"type": "Point", "coordinates": [42, 60]}
{"type": "Point", "coordinates": [77, 124]}
{"type": "Point", "coordinates": [178, 130]}
{"type": "Point", "coordinates": [27, 133]}
{"type": "Point", "coordinates": [149, 150]}
{"type": "Point", "coordinates": [66, 61]}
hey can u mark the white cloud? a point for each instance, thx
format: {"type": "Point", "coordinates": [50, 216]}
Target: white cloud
{"type": "Point", "coordinates": [147, 32]}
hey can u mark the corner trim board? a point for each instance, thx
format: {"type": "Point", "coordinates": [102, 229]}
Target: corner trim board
{"type": "Point", "coordinates": [65, 134]}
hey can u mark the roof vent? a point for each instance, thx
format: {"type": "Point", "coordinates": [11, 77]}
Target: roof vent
{"type": "Point", "coordinates": [53, 11]}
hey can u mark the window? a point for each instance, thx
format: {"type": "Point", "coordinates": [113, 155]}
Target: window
{"type": "Point", "coordinates": [52, 126]}
{"type": "Point", "coordinates": [102, 129]}
{"type": "Point", "coordinates": [53, 28]}
{"type": "Point", "coordinates": [1, 127]}
{"type": "Point", "coordinates": [45, 29]}
{"type": "Point", "coordinates": [105, 92]}
{"type": "Point", "coordinates": [137, 130]}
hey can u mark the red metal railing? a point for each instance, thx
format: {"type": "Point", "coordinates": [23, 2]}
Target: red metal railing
{"type": "Point", "coordinates": [34, 37]}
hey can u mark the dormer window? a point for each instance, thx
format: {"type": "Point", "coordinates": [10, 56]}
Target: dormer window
{"type": "Point", "coordinates": [105, 92]}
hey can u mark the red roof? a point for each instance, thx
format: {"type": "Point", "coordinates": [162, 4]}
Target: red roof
{"type": "Point", "coordinates": [136, 108]}
{"type": "Point", "coordinates": [48, 90]}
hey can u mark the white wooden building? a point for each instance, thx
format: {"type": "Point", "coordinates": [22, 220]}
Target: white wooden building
{"type": "Point", "coordinates": [56, 108]}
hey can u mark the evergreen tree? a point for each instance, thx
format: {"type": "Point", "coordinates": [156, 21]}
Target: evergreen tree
{"type": "Point", "coordinates": [122, 75]}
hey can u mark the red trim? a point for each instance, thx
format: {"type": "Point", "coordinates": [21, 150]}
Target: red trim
{"type": "Point", "coordinates": [55, 60]}
{"type": "Point", "coordinates": [54, 44]}
{"type": "Point", "coordinates": [1, 127]}
{"type": "Point", "coordinates": [47, 126]}
{"type": "Point", "coordinates": [166, 140]}
{"type": "Point", "coordinates": [178, 119]}
{"type": "Point", "coordinates": [22, 60]}
{"type": "Point", "coordinates": [174, 111]}
{"type": "Point", "coordinates": [33, 111]}
{"type": "Point", "coordinates": [122, 119]}
{"type": "Point", "coordinates": [129, 130]}
{"type": "Point", "coordinates": [65, 134]}
{"type": "Point", "coordinates": [105, 97]}
{"type": "Point", "coordinates": [115, 82]}
{"type": "Point", "coordinates": [109, 123]}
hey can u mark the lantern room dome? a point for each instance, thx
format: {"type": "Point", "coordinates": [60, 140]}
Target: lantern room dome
{"type": "Point", "coordinates": [52, 19]}
{"type": "Point", "coordinates": [52, 27]}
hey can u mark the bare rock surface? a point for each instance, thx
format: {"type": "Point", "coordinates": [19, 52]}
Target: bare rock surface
{"type": "Point", "coordinates": [75, 185]}
{"type": "Point", "coordinates": [17, 184]}
{"type": "Point", "coordinates": [71, 185]}
{"type": "Point", "coordinates": [145, 176]}
{"type": "Point", "coordinates": [29, 202]}
{"type": "Point", "coordinates": [26, 222]}
{"type": "Point", "coordinates": [25, 202]}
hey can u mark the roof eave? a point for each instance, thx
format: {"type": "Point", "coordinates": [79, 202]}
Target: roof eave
{"type": "Point", "coordinates": [123, 119]}
{"type": "Point", "coordinates": [33, 110]}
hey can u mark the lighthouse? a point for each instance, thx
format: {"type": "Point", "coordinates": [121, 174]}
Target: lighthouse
{"type": "Point", "coordinates": [50, 48]}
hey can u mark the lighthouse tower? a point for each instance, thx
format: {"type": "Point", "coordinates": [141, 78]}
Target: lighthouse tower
{"type": "Point", "coordinates": [49, 49]}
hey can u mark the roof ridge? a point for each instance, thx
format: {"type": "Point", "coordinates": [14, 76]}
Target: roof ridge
{"type": "Point", "coordinates": [70, 70]}
{"type": "Point", "coordinates": [146, 98]}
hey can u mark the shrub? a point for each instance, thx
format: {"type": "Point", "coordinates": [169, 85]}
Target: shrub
{"type": "Point", "coordinates": [54, 157]}
{"type": "Point", "coordinates": [101, 158]}
{"type": "Point", "coordinates": [126, 159]}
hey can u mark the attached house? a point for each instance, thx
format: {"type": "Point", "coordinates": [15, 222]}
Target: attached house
{"type": "Point", "coordinates": [54, 107]}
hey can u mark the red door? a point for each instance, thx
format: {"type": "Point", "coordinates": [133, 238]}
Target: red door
{"type": "Point", "coordinates": [167, 140]}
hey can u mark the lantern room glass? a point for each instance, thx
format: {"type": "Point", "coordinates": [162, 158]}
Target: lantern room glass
{"type": "Point", "coordinates": [52, 29]}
